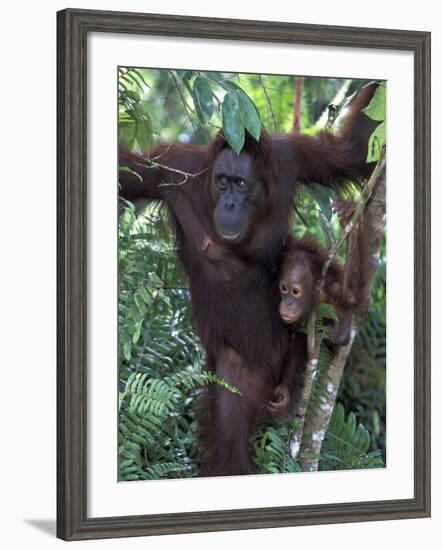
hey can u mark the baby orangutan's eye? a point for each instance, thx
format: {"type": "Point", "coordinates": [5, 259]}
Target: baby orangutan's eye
{"type": "Point", "coordinates": [283, 288]}
{"type": "Point", "coordinates": [296, 291]}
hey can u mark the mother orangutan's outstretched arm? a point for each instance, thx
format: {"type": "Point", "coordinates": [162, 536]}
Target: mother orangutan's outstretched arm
{"type": "Point", "coordinates": [328, 159]}
{"type": "Point", "coordinates": [168, 167]}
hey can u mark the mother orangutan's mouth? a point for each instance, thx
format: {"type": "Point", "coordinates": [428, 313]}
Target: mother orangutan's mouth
{"type": "Point", "coordinates": [230, 236]}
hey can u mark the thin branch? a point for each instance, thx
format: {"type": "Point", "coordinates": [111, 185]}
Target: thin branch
{"type": "Point", "coordinates": [326, 228]}
{"type": "Point", "coordinates": [186, 175]}
{"type": "Point", "coordinates": [316, 425]}
{"type": "Point", "coordinates": [313, 347]}
{"type": "Point", "coordinates": [183, 99]}
{"type": "Point", "coordinates": [269, 103]}
{"type": "Point", "coordinates": [299, 88]}
{"type": "Point", "coordinates": [169, 145]}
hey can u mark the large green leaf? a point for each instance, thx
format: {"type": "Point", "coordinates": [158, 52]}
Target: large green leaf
{"type": "Point", "coordinates": [127, 132]}
{"type": "Point", "coordinates": [184, 75]}
{"type": "Point", "coordinates": [230, 85]}
{"type": "Point", "coordinates": [376, 143]}
{"type": "Point", "coordinates": [144, 125]}
{"type": "Point", "coordinates": [217, 77]}
{"type": "Point", "coordinates": [144, 135]}
{"type": "Point", "coordinates": [232, 122]}
{"type": "Point", "coordinates": [203, 99]}
{"type": "Point", "coordinates": [377, 110]}
{"type": "Point", "coordinates": [377, 107]}
{"type": "Point", "coordinates": [135, 96]}
{"type": "Point", "coordinates": [249, 115]}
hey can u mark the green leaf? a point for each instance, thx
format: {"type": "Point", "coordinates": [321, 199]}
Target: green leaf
{"type": "Point", "coordinates": [144, 113]}
{"type": "Point", "coordinates": [327, 311]}
{"type": "Point", "coordinates": [339, 415]}
{"type": "Point", "coordinates": [145, 295]}
{"type": "Point", "coordinates": [127, 133]}
{"type": "Point", "coordinates": [216, 77]}
{"type": "Point", "coordinates": [141, 77]}
{"type": "Point", "coordinates": [376, 143]}
{"type": "Point", "coordinates": [133, 95]}
{"type": "Point", "coordinates": [144, 135]}
{"type": "Point", "coordinates": [376, 110]}
{"type": "Point", "coordinates": [249, 115]}
{"type": "Point", "coordinates": [376, 422]}
{"type": "Point", "coordinates": [203, 99]}
{"type": "Point", "coordinates": [232, 122]}
{"type": "Point", "coordinates": [185, 79]}
{"type": "Point", "coordinates": [140, 304]}
{"type": "Point", "coordinates": [347, 443]}
{"type": "Point", "coordinates": [184, 74]}
{"type": "Point", "coordinates": [377, 107]}
{"type": "Point", "coordinates": [230, 85]}
{"type": "Point", "coordinates": [154, 278]}
{"type": "Point", "coordinates": [136, 334]}
{"type": "Point", "coordinates": [127, 348]}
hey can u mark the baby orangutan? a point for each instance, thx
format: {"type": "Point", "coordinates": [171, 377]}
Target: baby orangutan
{"type": "Point", "coordinates": [299, 281]}
{"type": "Point", "coordinates": [345, 289]}
{"type": "Point", "coordinates": [299, 288]}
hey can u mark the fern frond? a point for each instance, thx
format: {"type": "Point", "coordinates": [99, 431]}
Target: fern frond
{"type": "Point", "coordinates": [271, 450]}
{"type": "Point", "coordinates": [346, 444]}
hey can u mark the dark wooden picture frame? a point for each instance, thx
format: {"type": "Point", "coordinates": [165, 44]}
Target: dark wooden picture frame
{"type": "Point", "coordinates": [73, 27]}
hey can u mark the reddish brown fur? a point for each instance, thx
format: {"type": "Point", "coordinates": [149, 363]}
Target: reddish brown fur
{"type": "Point", "coordinates": [234, 287]}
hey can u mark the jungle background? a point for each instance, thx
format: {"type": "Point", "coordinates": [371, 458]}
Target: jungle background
{"type": "Point", "coordinates": [160, 356]}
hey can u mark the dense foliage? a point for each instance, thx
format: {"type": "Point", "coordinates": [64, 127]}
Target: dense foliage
{"type": "Point", "coordinates": [160, 370]}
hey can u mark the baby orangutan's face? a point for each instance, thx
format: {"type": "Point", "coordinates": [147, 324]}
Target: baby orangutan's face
{"type": "Point", "coordinates": [296, 290]}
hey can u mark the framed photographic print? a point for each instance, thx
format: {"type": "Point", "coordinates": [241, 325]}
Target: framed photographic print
{"type": "Point", "coordinates": [243, 279]}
